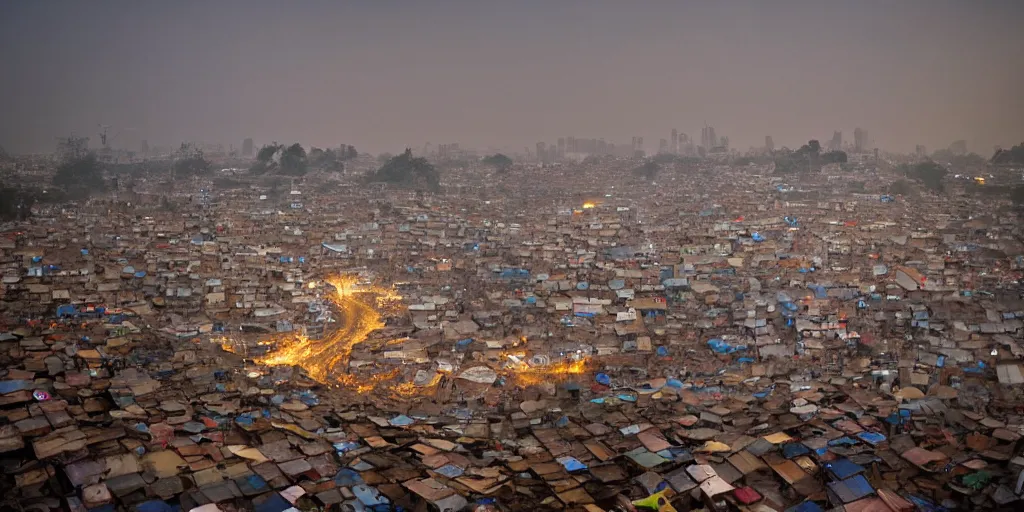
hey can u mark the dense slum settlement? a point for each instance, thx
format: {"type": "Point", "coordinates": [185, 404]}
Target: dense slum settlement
{"type": "Point", "coordinates": [729, 342]}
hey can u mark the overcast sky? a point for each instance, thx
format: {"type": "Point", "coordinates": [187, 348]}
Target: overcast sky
{"type": "Point", "coordinates": [385, 74]}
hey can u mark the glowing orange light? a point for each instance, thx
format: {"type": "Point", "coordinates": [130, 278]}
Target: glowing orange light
{"type": "Point", "coordinates": [533, 375]}
{"type": "Point", "coordinates": [322, 358]}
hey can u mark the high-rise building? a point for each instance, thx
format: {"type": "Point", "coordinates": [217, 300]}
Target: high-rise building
{"type": "Point", "coordinates": [144, 147]}
{"type": "Point", "coordinates": [448, 151]}
{"type": "Point", "coordinates": [837, 141]}
{"type": "Point", "coordinates": [541, 151]}
{"type": "Point", "coordinates": [247, 148]}
{"type": "Point", "coordinates": [860, 140]}
{"type": "Point", "coordinates": [663, 146]}
{"type": "Point", "coordinates": [707, 137]}
{"type": "Point", "coordinates": [769, 144]}
{"type": "Point", "coordinates": [561, 147]}
{"type": "Point", "coordinates": [675, 141]}
{"type": "Point", "coordinates": [920, 151]}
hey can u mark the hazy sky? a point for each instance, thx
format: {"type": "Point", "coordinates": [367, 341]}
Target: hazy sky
{"type": "Point", "coordinates": [384, 74]}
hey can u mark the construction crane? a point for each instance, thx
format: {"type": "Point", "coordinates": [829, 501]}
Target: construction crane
{"type": "Point", "coordinates": [103, 133]}
{"type": "Point", "coordinates": [105, 138]}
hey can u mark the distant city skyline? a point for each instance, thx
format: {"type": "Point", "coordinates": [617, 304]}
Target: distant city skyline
{"type": "Point", "coordinates": [509, 74]}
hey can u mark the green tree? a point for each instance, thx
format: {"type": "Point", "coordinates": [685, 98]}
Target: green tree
{"type": "Point", "coordinates": [959, 162]}
{"type": "Point", "coordinates": [280, 159]}
{"type": "Point", "coordinates": [323, 159]}
{"type": "Point", "coordinates": [189, 161]}
{"type": "Point", "coordinates": [80, 175]}
{"type": "Point", "coordinates": [928, 173]}
{"type": "Point", "coordinates": [1012, 156]}
{"type": "Point", "coordinates": [1017, 195]}
{"type": "Point", "coordinates": [834, 157]}
{"type": "Point", "coordinates": [901, 188]}
{"type": "Point", "coordinates": [648, 170]}
{"type": "Point", "coordinates": [805, 159]}
{"type": "Point", "coordinates": [265, 159]}
{"type": "Point", "coordinates": [788, 162]}
{"type": "Point", "coordinates": [15, 204]}
{"type": "Point", "coordinates": [408, 171]}
{"type": "Point", "coordinates": [293, 160]}
{"type": "Point", "coordinates": [498, 161]}
{"type": "Point", "coordinates": [267, 152]}
{"type": "Point", "coordinates": [331, 159]}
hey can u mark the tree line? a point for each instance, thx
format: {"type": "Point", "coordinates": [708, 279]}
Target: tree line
{"type": "Point", "coordinates": [293, 160]}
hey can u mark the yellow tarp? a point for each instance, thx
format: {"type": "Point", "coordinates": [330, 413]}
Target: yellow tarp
{"type": "Point", "coordinates": [714, 447]}
{"type": "Point", "coordinates": [778, 438]}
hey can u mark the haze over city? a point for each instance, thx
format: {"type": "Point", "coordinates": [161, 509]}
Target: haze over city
{"type": "Point", "coordinates": [384, 75]}
{"type": "Point", "coordinates": [516, 256]}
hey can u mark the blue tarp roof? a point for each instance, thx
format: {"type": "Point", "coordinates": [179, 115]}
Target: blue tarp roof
{"type": "Point", "coordinates": [515, 273]}
{"type": "Point", "coordinates": [676, 282]}
{"type": "Point", "coordinates": [842, 441]}
{"type": "Point", "coordinates": [156, 506]}
{"type": "Point", "coordinates": [10, 386]}
{"type": "Point", "coordinates": [871, 438]}
{"type": "Point", "coordinates": [807, 506]}
{"type": "Point", "coordinates": [844, 468]}
{"type": "Point", "coordinates": [450, 471]}
{"type": "Point", "coordinates": [369, 496]}
{"type": "Point", "coordinates": [851, 489]}
{"type": "Point", "coordinates": [794, 450]}
{"type": "Point", "coordinates": [401, 421]}
{"type": "Point", "coordinates": [347, 478]}
{"type": "Point", "coordinates": [252, 484]}
{"type": "Point", "coordinates": [272, 503]}
{"type": "Point", "coordinates": [721, 346]}
{"type": "Point", "coordinates": [571, 464]}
